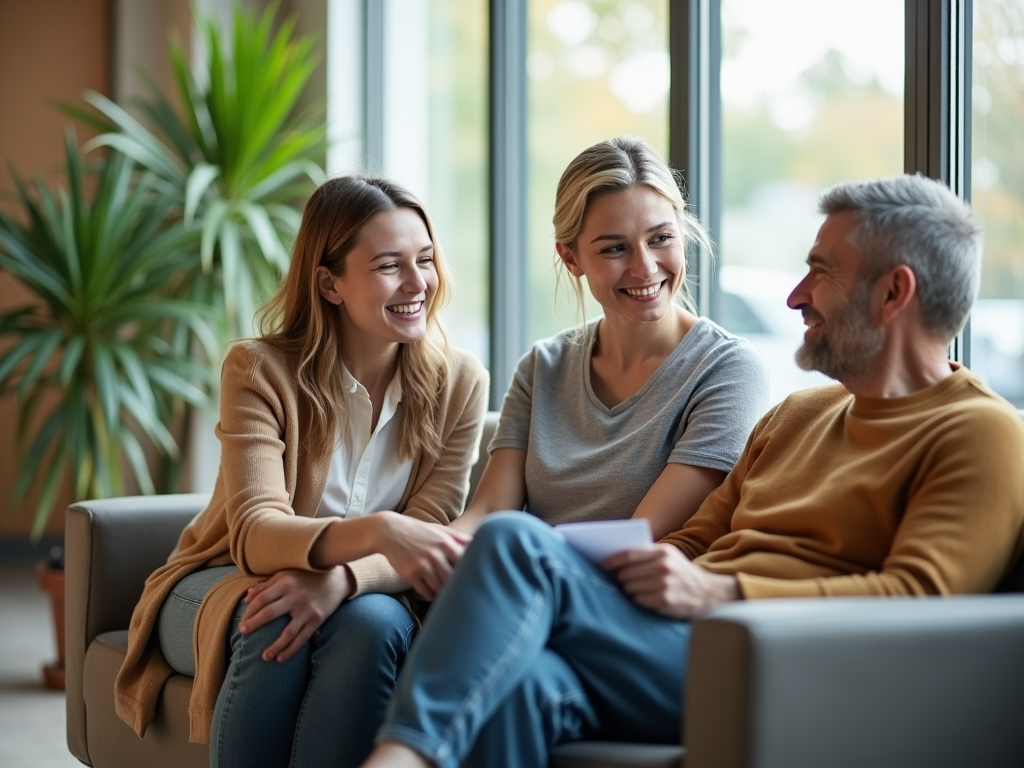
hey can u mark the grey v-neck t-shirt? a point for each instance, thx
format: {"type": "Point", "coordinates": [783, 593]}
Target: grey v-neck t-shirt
{"type": "Point", "coordinates": [585, 461]}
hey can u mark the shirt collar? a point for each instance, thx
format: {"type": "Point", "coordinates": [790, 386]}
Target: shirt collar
{"type": "Point", "coordinates": [392, 395]}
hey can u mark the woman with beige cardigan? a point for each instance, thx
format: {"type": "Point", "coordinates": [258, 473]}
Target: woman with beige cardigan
{"type": "Point", "coordinates": [279, 594]}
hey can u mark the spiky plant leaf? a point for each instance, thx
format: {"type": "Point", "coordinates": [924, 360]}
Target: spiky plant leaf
{"type": "Point", "coordinates": [88, 364]}
{"type": "Point", "coordinates": [238, 153]}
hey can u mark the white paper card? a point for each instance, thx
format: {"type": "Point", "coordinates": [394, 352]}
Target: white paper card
{"type": "Point", "coordinates": [598, 539]}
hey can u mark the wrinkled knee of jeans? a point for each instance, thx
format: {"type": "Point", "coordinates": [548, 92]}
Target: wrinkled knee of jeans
{"type": "Point", "coordinates": [371, 622]}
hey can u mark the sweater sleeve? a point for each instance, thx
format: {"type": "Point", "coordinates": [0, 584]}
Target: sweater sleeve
{"type": "Point", "coordinates": [265, 534]}
{"type": "Point", "coordinates": [713, 519]}
{"type": "Point", "coordinates": [962, 525]}
{"type": "Point", "coordinates": [441, 495]}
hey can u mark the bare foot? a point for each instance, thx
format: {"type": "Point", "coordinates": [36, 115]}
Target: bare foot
{"type": "Point", "coordinates": [391, 754]}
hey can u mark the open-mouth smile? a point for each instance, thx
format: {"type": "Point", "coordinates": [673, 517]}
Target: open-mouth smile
{"type": "Point", "coordinates": [645, 292]}
{"type": "Point", "coordinates": [405, 309]}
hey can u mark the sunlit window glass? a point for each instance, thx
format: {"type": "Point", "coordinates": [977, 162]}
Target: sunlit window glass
{"type": "Point", "coordinates": [997, 194]}
{"type": "Point", "coordinates": [812, 95]}
{"type": "Point", "coordinates": [434, 96]}
{"type": "Point", "coordinates": [595, 70]}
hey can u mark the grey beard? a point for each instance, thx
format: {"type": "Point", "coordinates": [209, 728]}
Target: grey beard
{"type": "Point", "coordinates": [847, 347]}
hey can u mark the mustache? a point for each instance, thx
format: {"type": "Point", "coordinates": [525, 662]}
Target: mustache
{"type": "Point", "coordinates": [811, 314]}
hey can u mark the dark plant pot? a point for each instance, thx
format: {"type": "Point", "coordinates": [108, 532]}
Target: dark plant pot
{"type": "Point", "coordinates": [50, 572]}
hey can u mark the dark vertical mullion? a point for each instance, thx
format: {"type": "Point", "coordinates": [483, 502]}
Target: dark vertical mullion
{"type": "Point", "coordinates": [695, 135]}
{"type": "Point", "coordinates": [508, 190]}
{"type": "Point", "coordinates": [373, 93]}
{"type": "Point", "coordinates": [937, 102]}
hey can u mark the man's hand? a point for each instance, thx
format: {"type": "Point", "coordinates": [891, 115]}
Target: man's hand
{"type": "Point", "coordinates": [422, 553]}
{"type": "Point", "coordinates": [308, 596]}
{"type": "Point", "coordinates": [662, 579]}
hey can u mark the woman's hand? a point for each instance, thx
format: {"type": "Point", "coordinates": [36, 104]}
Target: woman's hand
{"type": "Point", "coordinates": [422, 553]}
{"type": "Point", "coordinates": [309, 597]}
{"type": "Point", "coordinates": [662, 579]}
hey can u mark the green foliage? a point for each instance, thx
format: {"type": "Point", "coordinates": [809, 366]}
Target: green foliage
{"type": "Point", "coordinates": [89, 361]}
{"type": "Point", "coordinates": [240, 155]}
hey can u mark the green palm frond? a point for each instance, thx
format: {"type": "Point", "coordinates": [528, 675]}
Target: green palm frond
{"type": "Point", "coordinates": [88, 363]}
{"type": "Point", "coordinates": [238, 152]}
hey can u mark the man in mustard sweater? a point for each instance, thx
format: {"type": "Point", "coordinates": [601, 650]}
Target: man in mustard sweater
{"type": "Point", "coordinates": [904, 478]}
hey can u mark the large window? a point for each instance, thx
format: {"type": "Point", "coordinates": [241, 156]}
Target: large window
{"type": "Point", "coordinates": [808, 93]}
{"type": "Point", "coordinates": [997, 193]}
{"type": "Point", "coordinates": [800, 112]}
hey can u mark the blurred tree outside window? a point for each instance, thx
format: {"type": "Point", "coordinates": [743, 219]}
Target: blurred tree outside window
{"type": "Point", "coordinates": [997, 194]}
{"type": "Point", "coordinates": [812, 95]}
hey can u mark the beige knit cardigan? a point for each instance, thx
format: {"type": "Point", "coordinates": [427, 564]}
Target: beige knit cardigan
{"type": "Point", "coordinates": [261, 516]}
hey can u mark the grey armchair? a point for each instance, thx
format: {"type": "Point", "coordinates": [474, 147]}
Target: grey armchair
{"type": "Point", "coordinates": [803, 683]}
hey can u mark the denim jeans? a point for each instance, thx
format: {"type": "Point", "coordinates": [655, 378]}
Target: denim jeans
{"type": "Point", "coordinates": [530, 645]}
{"type": "Point", "coordinates": [322, 706]}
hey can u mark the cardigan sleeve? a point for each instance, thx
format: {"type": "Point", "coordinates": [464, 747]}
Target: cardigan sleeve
{"type": "Point", "coordinates": [438, 493]}
{"type": "Point", "coordinates": [256, 417]}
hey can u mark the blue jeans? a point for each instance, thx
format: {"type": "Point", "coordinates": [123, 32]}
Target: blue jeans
{"type": "Point", "coordinates": [530, 645]}
{"type": "Point", "coordinates": [322, 706]}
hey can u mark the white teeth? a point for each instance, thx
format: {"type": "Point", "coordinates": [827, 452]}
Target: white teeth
{"type": "Point", "coordinates": [648, 291]}
{"type": "Point", "coordinates": [405, 309]}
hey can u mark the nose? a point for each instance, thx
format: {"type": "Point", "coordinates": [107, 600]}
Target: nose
{"type": "Point", "coordinates": [643, 264]}
{"type": "Point", "coordinates": [415, 280]}
{"type": "Point", "coordinates": [800, 295]}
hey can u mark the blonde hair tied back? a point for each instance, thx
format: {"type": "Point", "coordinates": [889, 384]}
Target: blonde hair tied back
{"type": "Point", "coordinates": [610, 166]}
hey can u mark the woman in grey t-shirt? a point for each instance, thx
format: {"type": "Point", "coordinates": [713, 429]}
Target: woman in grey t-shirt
{"type": "Point", "coordinates": [642, 412]}
{"type": "Point", "coordinates": [638, 414]}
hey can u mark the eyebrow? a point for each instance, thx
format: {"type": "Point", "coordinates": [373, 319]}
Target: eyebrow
{"type": "Point", "coordinates": [655, 228]}
{"type": "Point", "coordinates": [815, 259]}
{"type": "Point", "coordinates": [396, 254]}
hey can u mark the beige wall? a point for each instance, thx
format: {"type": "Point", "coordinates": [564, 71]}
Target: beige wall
{"type": "Point", "coordinates": [50, 50]}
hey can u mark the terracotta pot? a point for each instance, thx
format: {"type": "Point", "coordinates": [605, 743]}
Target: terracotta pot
{"type": "Point", "coordinates": [51, 580]}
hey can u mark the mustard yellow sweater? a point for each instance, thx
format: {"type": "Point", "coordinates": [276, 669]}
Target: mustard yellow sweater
{"type": "Point", "coordinates": [261, 516]}
{"type": "Point", "coordinates": [917, 495]}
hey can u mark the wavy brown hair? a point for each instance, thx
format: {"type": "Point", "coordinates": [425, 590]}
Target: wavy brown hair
{"type": "Point", "coordinates": [307, 327]}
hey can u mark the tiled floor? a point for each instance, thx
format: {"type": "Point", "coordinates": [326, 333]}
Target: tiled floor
{"type": "Point", "coordinates": [31, 717]}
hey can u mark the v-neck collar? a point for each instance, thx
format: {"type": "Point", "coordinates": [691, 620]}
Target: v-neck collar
{"type": "Point", "coordinates": [591, 338]}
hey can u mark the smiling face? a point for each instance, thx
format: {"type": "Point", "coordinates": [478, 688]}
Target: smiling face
{"type": "Point", "coordinates": [631, 252]}
{"type": "Point", "coordinates": [389, 280]}
{"type": "Point", "coordinates": [841, 338]}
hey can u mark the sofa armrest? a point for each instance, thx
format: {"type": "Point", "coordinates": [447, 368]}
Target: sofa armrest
{"type": "Point", "coordinates": [110, 548]}
{"type": "Point", "coordinates": [857, 682]}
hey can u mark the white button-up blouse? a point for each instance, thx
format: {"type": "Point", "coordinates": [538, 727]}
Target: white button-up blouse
{"type": "Point", "coordinates": [366, 473]}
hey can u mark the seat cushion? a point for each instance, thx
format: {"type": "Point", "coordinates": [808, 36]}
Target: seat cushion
{"type": "Point", "coordinates": [608, 754]}
{"type": "Point", "coordinates": [112, 744]}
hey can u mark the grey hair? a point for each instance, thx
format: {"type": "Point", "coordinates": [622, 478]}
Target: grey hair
{"type": "Point", "coordinates": [919, 222]}
{"type": "Point", "coordinates": [612, 166]}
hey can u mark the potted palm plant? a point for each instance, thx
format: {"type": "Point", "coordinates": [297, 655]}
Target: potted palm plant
{"type": "Point", "coordinates": [91, 362]}
{"type": "Point", "coordinates": [240, 153]}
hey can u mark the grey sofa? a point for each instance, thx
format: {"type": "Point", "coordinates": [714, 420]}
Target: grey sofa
{"type": "Point", "coordinates": [793, 684]}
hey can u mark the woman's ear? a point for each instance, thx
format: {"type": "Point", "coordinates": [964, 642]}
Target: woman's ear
{"type": "Point", "coordinates": [325, 283]}
{"type": "Point", "coordinates": [569, 259]}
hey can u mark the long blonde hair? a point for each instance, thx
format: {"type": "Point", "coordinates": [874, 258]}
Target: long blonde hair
{"type": "Point", "coordinates": [612, 166]}
{"type": "Point", "coordinates": [307, 327]}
